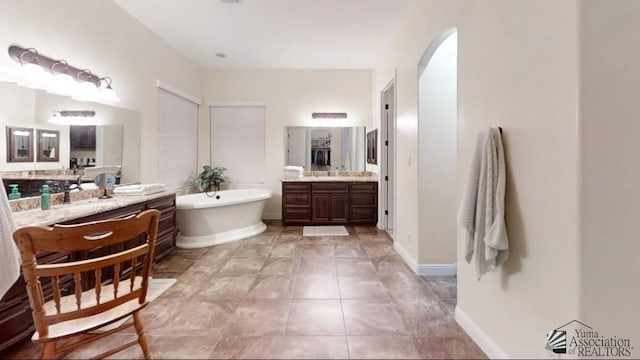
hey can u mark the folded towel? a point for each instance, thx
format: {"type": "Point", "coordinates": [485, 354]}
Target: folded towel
{"type": "Point", "coordinates": [139, 189]}
{"type": "Point", "coordinates": [138, 192]}
{"type": "Point", "coordinates": [9, 255]}
{"type": "Point", "coordinates": [293, 168]}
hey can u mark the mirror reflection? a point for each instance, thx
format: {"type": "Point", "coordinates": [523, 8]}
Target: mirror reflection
{"type": "Point", "coordinates": [108, 142]}
{"type": "Point", "coordinates": [48, 149]}
{"type": "Point", "coordinates": [326, 148]}
{"type": "Point", "coordinates": [19, 144]}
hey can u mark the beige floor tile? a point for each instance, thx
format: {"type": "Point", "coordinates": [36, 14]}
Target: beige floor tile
{"type": "Point", "coordinates": [259, 317]}
{"type": "Point", "coordinates": [372, 317]}
{"type": "Point", "coordinates": [248, 347]}
{"type": "Point", "coordinates": [314, 347]}
{"type": "Point", "coordinates": [272, 287]}
{"type": "Point", "coordinates": [362, 287]}
{"type": "Point", "coordinates": [315, 317]}
{"type": "Point", "coordinates": [316, 287]}
{"type": "Point", "coordinates": [382, 347]}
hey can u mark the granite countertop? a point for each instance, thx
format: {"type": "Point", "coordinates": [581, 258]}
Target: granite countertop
{"type": "Point", "coordinates": [48, 177]}
{"type": "Point", "coordinates": [65, 212]}
{"type": "Point", "coordinates": [339, 178]}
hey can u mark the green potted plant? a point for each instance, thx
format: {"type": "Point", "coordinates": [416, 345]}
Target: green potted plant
{"type": "Point", "coordinates": [209, 177]}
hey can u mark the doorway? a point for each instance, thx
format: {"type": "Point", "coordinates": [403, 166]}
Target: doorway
{"type": "Point", "coordinates": [387, 143]}
{"type": "Point", "coordinates": [437, 155]}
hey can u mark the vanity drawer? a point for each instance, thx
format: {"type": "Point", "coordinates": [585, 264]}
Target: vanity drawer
{"type": "Point", "coordinates": [368, 187]}
{"type": "Point", "coordinates": [330, 187]}
{"type": "Point", "coordinates": [364, 199]}
{"type": "Point", "coordinates": [297, 215]}
{"type": "Point", "coordinates": [295, 187]}
{"type": "Point", "coordinates": [297, 199]}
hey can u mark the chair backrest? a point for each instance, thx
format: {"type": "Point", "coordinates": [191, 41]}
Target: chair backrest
{"type": "Point", "coordinates": [71, 238]}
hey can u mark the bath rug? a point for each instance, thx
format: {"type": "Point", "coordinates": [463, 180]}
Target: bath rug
{"type": "Point", "coordinates": [333, 230]}
{"type": "Point", "coordinates": [156, 288]}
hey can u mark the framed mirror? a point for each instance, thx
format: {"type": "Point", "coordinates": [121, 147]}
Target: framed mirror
{"type": "Point", "coordinates": [19, 144]}
{"type": "Point", "coordinates": [372, 147]}
{"type": "Point", "coordinates": [48, 145]}
{"type": "Point", "coordinates": [326, 148]}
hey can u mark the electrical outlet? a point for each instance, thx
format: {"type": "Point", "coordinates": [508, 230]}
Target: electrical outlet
{"type": "Point", "coordinates": [409, 238]}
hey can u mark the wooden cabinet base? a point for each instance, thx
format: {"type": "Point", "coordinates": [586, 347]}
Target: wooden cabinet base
{"type": "Point", "coordinates": [326, 203]}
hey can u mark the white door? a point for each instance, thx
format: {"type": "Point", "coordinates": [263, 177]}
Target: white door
{"type": "Point", "coordinates": [387, 142]}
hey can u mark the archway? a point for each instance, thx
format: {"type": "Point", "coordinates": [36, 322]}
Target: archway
{"type": "Point", "coordinates": [437, 142]}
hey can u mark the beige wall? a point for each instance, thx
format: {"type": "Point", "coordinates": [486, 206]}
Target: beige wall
{"type": "Point", "coordinates": [516, 69]}
{"type": "Point", "coordinates": [290, 97]}
{"type": "Point", "coordinates": [99, 35]}
{"type": "Point", "coordinates": [609, 128]}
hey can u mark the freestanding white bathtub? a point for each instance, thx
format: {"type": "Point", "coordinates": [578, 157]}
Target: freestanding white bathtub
{"type": "Point", "coordinates": [206, 219]}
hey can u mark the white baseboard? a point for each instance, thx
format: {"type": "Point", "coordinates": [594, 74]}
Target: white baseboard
{"type": "Point", "coordinates": [437, 269]}
{"type": "Point", "coordinates": [490, 348]}
{"type": "Point", "coordinates": [425, 269]}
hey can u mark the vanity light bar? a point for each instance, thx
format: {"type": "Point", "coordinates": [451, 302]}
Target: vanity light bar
{"type": "Point", "coordinates": [328, 115]}
{"type": "Point", "coordinates": [58, 77]}
{"type": "Point", "coordinates": [31, 56]}
{"type": "Point", "coordinates": [71, 117]}
{"type": "Point", "coordinates": [75, 113]}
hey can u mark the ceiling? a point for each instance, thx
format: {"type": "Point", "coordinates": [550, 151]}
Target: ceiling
{"type": "Point", "coordinates": [272, 34]}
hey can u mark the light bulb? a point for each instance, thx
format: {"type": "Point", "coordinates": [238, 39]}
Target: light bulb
{"type": "Point", "coordinates": [109, 95]}
{"type": "Point", "coordinates": [62, 84]}
{"type": "Point", "coordinates": [86, 91]}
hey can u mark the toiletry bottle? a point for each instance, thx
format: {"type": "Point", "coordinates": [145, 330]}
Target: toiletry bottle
{"type": "Point", "coordinates": [45, 201]}
{"type": "Point", "coordinates": [14, 192]}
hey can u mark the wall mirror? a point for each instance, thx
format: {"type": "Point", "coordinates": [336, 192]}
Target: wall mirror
{"type": "Point", "coordinates": [19, 144]}
{"type": "Point", "coordinates": [48, 145]}
{"type": "Point", "coordinates": [117, 134]}
{"type": "Point", "coordinates": [326, 148]}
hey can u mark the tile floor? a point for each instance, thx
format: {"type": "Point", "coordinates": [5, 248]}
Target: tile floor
{"type": "Point", "coordinates": [282, 295]}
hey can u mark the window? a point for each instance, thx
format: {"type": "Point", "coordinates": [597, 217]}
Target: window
{"type": "Point", "coordinates": [238, 142]}
{"type": "Point", "coordinates": [177, 140]}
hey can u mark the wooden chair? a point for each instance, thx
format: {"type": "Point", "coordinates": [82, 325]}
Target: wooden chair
{"type": "Point", "coordinates": [82, 312]}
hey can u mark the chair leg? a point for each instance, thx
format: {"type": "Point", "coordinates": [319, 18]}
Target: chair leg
{"type": "Point", "coordinates": [49, 351]}
{"type": "Point", "coordinates": [142, 338]}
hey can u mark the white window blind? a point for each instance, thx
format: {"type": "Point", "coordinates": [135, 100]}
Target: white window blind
{"type": "Point", "coordinates": [177, 140]}
{"type": "Point", "coordinates": [237, 142]}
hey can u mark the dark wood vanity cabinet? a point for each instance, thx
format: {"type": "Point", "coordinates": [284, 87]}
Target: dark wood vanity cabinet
{"type": "Point", "coordinates": [330, 202]}
{"type": "Point", "coordinates": [296, 203]}
{"type": "Point", "coordinates": [16, 323]}
{"type": "Point", "coordinates": [327, 202]}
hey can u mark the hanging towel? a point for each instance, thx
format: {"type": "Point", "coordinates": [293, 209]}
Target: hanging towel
{"type": "Point", "coordinates": [481, 214]}
{"type": "Point", "coordinates": [9, 255]}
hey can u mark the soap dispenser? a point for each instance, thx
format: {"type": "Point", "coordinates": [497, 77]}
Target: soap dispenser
{"type": "Point", "coordinates": [14, 192]}
{"type": "Point", "coordinates": [45, 201]}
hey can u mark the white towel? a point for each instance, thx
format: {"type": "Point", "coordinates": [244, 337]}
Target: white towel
{"type": "Point", "coordinates": [482, 211]}
{"type": "Point", "coordinates": [293, 168]}
{"type": "Point", "coordinates": [139, 189]}
{"type": "Point", "coordinates": [9, 254]}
